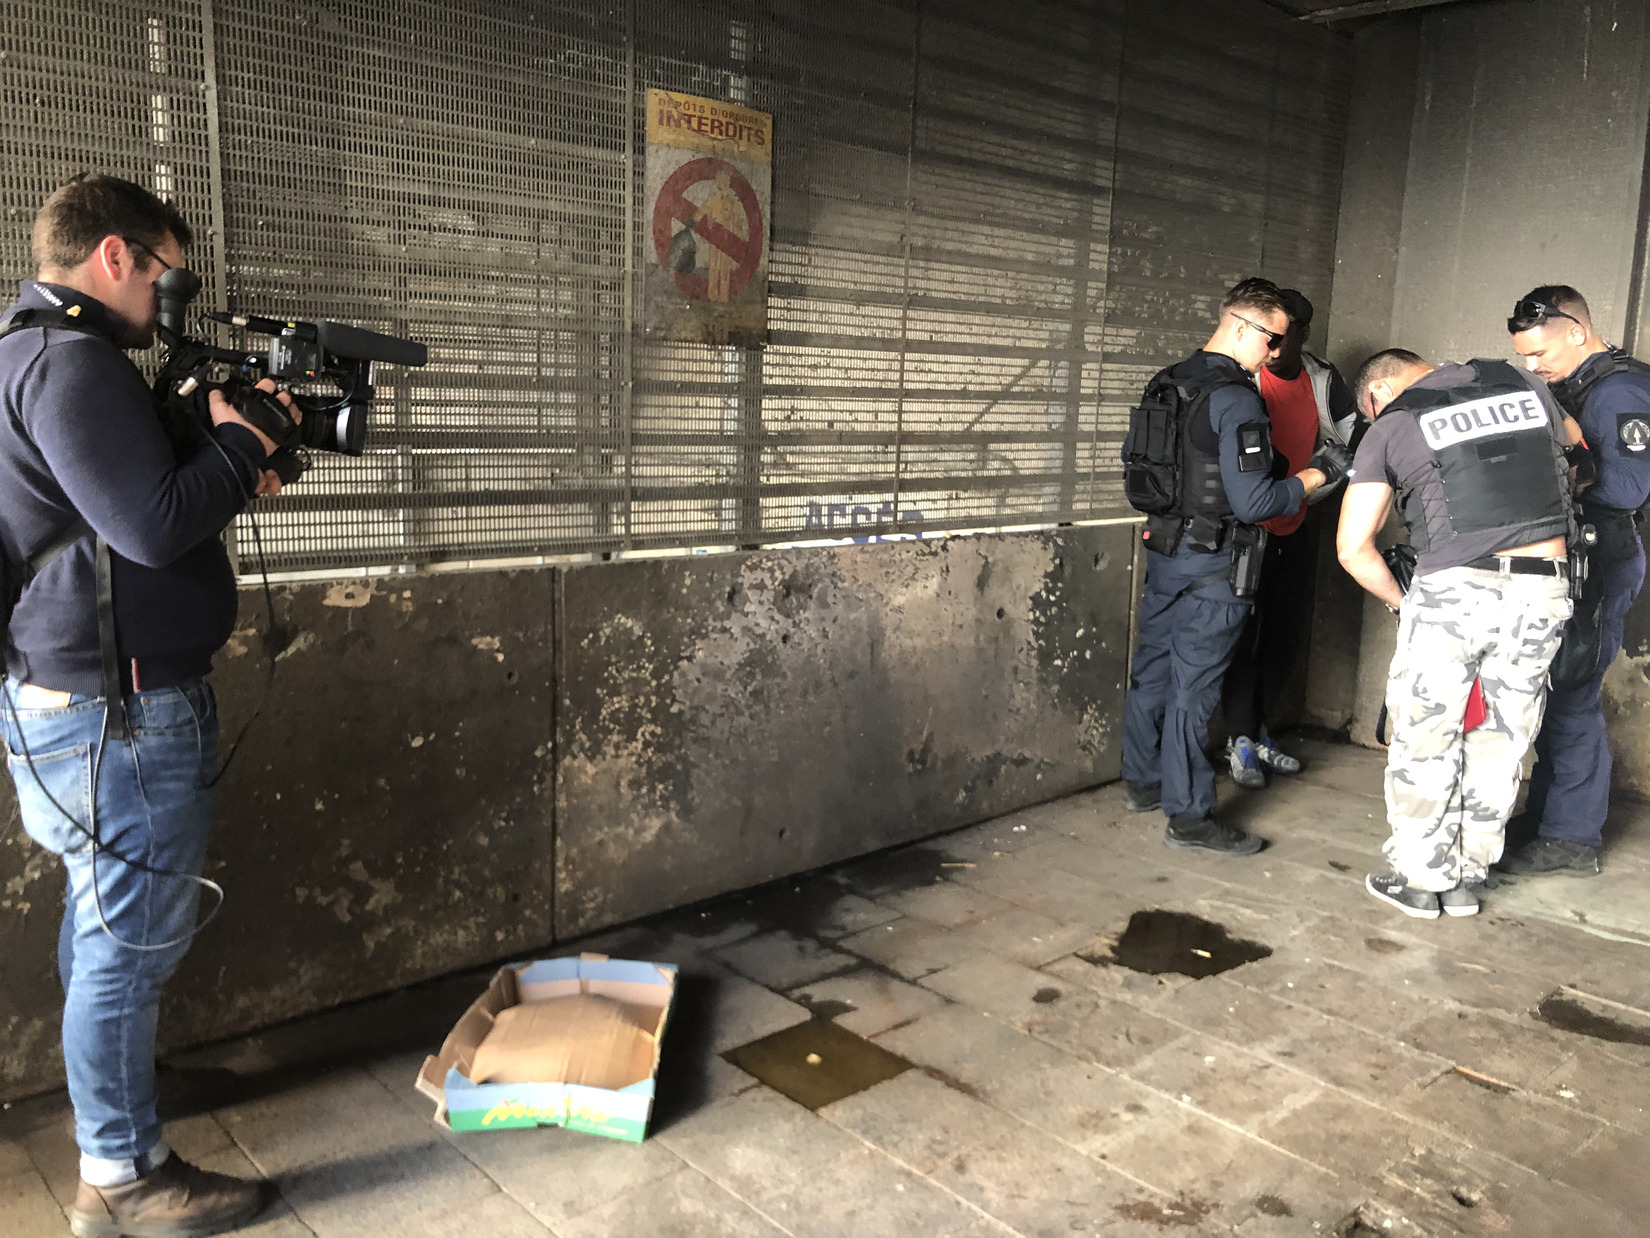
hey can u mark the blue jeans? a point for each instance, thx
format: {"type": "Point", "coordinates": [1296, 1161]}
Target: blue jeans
{"type": "Point", "coordinates": [1570, 786]}
{"type": "Point", "coordinates": [153, 807]}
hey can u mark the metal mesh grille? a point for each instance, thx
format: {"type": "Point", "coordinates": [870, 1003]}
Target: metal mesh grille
{"type": "Point", "coordinates": [991, 225]}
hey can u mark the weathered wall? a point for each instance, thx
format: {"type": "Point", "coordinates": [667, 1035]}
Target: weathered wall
{"type": "Point", "coordinates": [726, 721]}
{"type": "Point", "coordinates": [716, 722]}
{"type": "Point", "coordinates": [1494, 147]}
{"type": "Point", "coordinates": [387, 820]}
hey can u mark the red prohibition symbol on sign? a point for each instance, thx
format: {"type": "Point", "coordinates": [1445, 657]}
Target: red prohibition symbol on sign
{"type": "Point", "coordinates": [733, 258]}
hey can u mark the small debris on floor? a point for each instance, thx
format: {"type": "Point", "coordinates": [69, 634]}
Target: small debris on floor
{"type": "Point", "coordinates": [1487, 1082]}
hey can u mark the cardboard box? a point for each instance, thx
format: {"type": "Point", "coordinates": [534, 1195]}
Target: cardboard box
{"type": "Point", "coordinates": [557, 1042]}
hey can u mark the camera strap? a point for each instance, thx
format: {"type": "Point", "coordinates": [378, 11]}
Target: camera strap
{"type": "Point", "coordinates": [112, 693]}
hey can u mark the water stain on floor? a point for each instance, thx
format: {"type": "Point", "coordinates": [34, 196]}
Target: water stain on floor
{"type": "Point", "coordinates": [1186, 1210]}
{"type": "Point", "coordinates": [1158, 942]}
{"type": "Point", "coordinates": [1569, 1012]}
{"type": "Point", "coordinates": [817, 1063]}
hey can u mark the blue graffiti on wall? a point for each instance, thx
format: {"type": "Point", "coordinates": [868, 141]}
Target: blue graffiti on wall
{"type": "Point", "coordinates": [830, 517]}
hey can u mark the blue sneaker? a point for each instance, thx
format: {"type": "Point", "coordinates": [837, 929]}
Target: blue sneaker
{"type": "Point", "coordinates": [1245, 762]}
{"type": "Point", "coordinates": [1275, 758]}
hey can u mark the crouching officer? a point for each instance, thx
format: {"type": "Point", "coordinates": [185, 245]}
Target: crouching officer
{"type": "Point", "coordinates": [1608, 393]}
{"type": "Point", "coordinates": [1199, 461]}
{"type": "Point", "coordinates": [1475, 455]}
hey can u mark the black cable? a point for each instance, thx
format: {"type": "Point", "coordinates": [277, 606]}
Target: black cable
{"type": "Point", "coordinates": [92, 832]}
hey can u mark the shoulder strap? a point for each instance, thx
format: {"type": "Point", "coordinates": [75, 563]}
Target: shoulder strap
{"type": "Point", "coordinates": [112, 687]}
{"type": "Point", "coordinates": [1494, 370]}
{"type": "Point", "coordinates": [23, 320]}
{"type": "Point", "coordinates": [39, 561]}
{"type": "Point", "coordinates": [42, 316]}
{"type": "Point", "coordinates": [1571, 391]}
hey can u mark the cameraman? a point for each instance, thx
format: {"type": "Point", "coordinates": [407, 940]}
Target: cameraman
{"type": "Point", "coordinates": [85, 461]}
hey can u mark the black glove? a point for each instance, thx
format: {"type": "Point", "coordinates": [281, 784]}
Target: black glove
{"type": "Point", "coordinates": [1333, 460]}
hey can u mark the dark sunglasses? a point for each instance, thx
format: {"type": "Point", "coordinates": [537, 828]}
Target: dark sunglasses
{"type": "Point", "coordinates": [1274, 339]}
{"type": "Point", "coordinates": [1530, 312]}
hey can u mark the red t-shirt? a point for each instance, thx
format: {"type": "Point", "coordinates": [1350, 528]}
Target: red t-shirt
{"type": "Point", "coordinates": [1293, 411]}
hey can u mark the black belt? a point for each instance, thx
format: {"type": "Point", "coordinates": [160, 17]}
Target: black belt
{"type": "Point", "coordinates": [1518, 565]}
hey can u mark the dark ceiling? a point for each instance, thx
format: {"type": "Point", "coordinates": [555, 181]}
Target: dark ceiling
{"type": "Point", "coordinates": [1328, 11]}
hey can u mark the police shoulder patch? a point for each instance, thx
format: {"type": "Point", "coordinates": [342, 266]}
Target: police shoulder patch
{"type": "Point", "coordinates": [1633, 431]}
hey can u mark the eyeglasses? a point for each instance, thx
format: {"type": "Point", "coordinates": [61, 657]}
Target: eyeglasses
{"type": "Point", "coordinates": [1530, 311]}
{"type": "Point", "coordinates": [137, 244]}
{"type": "Point", "coordinates": [1274, 339]}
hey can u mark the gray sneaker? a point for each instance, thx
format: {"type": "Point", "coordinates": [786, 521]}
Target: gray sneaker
{"type": "Point", "coordinates": [1392, 889]}
{"type": "Point", "coordinates": [1462, 900]}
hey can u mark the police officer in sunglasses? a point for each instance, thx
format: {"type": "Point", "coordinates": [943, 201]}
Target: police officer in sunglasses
{"type": "Point", "coordinates": [1608, 393]}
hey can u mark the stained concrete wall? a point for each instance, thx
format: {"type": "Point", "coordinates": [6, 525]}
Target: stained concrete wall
{"type": "Point", "coordinates": [456, 768]}
{"type": "Point", "coordinates": [1493, 147]}
{"type": "Point", "coordinates": [727, 721]}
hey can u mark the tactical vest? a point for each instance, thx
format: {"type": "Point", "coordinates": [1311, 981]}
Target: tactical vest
{"type": "Point", "coordinates": [1632, 430]}
{"type": "Point", "coordinates": [1572, 392]}
{"type": "Point", "coordinates": [1173, 463]}
{"type": "Point", "coordinates": [1493, 454]}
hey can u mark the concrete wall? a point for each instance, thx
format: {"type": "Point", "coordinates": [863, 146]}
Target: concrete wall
{"type": "Point", "coordinates": [457, 768]}
{"type": "Point", "coordinates": [1493, 147]}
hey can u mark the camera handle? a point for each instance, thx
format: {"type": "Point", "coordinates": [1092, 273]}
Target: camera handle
{"type": "Point", "coordinates": [266, 413]}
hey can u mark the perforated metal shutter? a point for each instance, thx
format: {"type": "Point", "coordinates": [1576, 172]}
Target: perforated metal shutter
{"type": "Point", "coordinates": [979, 253]}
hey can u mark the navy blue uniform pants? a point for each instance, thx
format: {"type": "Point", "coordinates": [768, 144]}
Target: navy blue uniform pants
{"type": "Point", "coordinates": [1187, 640]}
{"type": "Point", "coordinates": [1570, 788]}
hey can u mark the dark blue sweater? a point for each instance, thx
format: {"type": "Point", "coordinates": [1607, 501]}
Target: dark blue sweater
{"type": "Point", "coordinates": [80, 436]}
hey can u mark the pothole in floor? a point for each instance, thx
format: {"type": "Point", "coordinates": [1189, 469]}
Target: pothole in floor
{"type": "Point", "coordinates": [1159, 942]}
{"type": "Point", "coordinates": [817, 1063]}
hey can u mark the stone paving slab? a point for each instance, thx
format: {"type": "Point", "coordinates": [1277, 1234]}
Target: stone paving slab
{"type": "Point", "coordinates": [1053, 1092]}
{"type": "Point", "coordinates": [27, 1207]}
{"type": "Point", "coordinates": [815, 1179]}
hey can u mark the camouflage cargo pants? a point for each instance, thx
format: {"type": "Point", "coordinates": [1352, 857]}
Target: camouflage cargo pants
{"type": "Point", "coordinates": [1448, 792]}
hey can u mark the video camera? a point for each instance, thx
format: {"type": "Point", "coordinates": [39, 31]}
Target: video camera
{"type": "Point", "coordinates": [299, 352]}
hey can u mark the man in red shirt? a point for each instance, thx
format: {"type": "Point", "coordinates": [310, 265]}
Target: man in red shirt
{"type": "Point", "coordinates": [1306, 401]}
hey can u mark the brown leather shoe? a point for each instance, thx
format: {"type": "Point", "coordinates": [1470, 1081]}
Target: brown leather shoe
{"type": "Point", "coordinates": [173, 1200]}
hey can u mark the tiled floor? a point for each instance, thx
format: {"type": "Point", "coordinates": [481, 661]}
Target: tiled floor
{"type": "Point", "coordinates": [1372, 1064]}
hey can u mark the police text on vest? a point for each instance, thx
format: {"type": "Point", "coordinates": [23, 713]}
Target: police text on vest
{"type": "Point", "coordinates": [1500, 414]}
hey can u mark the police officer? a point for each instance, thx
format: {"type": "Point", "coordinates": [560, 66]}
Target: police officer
{"type": "Point", "coordinates": [117, 521]}
{"type": "Point", "coordinates": [1474, 455]}
{"type": "Point", "coordinates": [1199, 460]}
{"type": "Point", "coordinates": [1608, 393]}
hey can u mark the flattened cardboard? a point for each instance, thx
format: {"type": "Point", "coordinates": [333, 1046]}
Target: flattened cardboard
{"type": "Point", "coordinates": [584, 1038]}
{"type": "Point", "coordinates": [643, 990]}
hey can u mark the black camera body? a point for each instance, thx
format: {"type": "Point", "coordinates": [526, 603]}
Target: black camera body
{"type": "Point", "coordinates": [303, 353]}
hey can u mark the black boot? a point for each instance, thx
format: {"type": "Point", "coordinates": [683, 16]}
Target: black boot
{"type": "Point", "coordinates": [1211, 835]}
{"type": "Point", "coordinates": [1138, 797]}
{"type": "Point", "coordinates": [1547, 856]}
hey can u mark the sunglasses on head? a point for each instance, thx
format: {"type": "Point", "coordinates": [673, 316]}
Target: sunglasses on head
{"type": "Point", "coordinates": [1529, 312]}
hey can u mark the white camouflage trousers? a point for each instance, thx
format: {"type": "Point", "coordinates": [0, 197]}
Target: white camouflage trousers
{"type": "Point", "coordinates": [1449, 792]}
